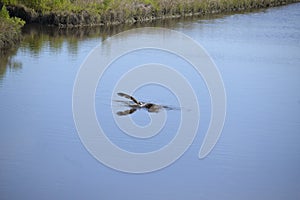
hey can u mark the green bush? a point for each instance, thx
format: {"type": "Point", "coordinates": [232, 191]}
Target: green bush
{"type": "Point", "coordinates": [14, 21]}
{"type": "Point", "coordinates": [9, 2]}
{"type": "Point", "coordinates": [4, 13]}
{"type": "Point", "coordinates": [10, 30]}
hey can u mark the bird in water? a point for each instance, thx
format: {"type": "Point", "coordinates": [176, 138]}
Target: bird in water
{"type": "Point", "coordinates": [135, 105]}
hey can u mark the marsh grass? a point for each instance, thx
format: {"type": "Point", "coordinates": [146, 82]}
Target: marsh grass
{"type": "Point", "coordinates": [137, 6]}
{"type": "Point", "coordinates": [89, 12]}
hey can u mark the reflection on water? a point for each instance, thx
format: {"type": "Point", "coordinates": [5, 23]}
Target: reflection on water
{"type": "Point", "coordinates": [257, 156]}
{"type": "Point", "coordinates": [135, 105]}
{"type": "Point", "coordinates": [8, 62]}
{"type": "Point", "coordinates": [37, 36]}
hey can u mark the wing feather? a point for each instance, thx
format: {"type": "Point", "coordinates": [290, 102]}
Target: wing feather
{"type": "Point", "coordinates": [121, 94]}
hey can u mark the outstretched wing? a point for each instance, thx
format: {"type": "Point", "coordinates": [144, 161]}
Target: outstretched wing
{"type": "Point", "coordinates": [121, 94]}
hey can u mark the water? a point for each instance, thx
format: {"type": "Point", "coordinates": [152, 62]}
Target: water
{"type": "Point", "coordinates": [256, 157]}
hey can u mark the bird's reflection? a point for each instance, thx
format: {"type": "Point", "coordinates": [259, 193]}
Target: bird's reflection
{"type": "Point", "coordinates": [126, 112]}
{"type": "Point", "coordinates": [135, 105]}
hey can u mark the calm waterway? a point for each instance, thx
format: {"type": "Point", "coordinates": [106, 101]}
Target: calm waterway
{"type": "Point", "coordinates": [256, 157]}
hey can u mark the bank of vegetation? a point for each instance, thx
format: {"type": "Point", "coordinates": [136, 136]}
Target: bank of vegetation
{"type": "Point", "coordinates": [100, 12]}
{"type": "Point", "coordinates": [70, 13]}
{"type": "Point", "coordinates": [10, 30]}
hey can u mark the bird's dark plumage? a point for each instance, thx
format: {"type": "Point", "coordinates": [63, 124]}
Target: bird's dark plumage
{"type": "Point", "coordinates": [151, 107]}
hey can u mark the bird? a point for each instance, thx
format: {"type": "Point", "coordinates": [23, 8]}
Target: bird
{"type": "Point", "coordinates": [150, 107]}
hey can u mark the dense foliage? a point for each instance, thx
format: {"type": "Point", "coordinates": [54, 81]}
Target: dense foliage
{"type": "Point", "coordinates": [132, 6]}
{"type": "Point", "coordinates": [10, 29]}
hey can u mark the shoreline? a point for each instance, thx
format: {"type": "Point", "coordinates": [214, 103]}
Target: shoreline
{"type": "Point", "coordinates": [139, 13]}
{"type": "Point", "coordinates": [11, 35]}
